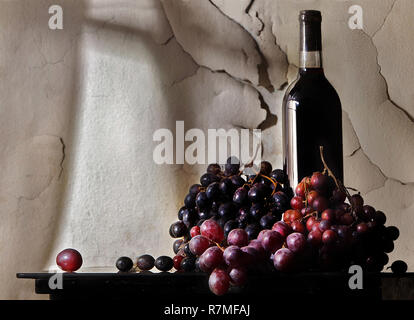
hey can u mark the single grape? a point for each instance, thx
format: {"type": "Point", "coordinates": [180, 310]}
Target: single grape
{"type": "Point", "coordinates": [324, 225]}
{"type": "Point", "coordinates": [368, 213]}
{"type": "Point", "coordinates": [180, 213]}
{"type": "Point", "coordinates": [315, 225]}
{"type": "Point", "coordinates": [177, 244]}
{"type": "Point", "coordinates": [305, 212]}
{"type": "Point", "coordinates": [392, 233]}
{"type": "Point", "coordinates": [237, 181]}
{"type": "Point", "coordinates": [211, 258]}
{"type": "Point", "coordinates": [189, 200]}
{"type": "Point", "coordinates": [188, 264]}
{"type": "Point", "coordinates": [261, 234]}
{"type": "Point", "coordinates": [124, 264]}
{"type": "Point", "coordinates": [362, 228]}
{"type": "Point", "coordinates": [272, 241]}
{"type": "Point", "coordinates": [178, 229]}
{"type": "Point", "coordinates": [267, 221]}
{"type": "Point", "coordinates": [298, 226]}
{"type": "Point", "coordinates": [265, 168]}
{"type": "Point", "coordinates": [187, 250]}
{"type": "Point", "coordinates": [312, 195]}
{"type": "Point", "coordinates": [357, 202]}
{"type": "Point", "coordinates": [279, 175]}
{"type": "Point", "coordinates": [328, 215]}
{"type": "Point", "coordinates": [256, 194]}
{"type": "Point", "coordinates": [297, 203]}
{"type": "Point", "coordinates": [320, 204]}
{"type": "Point", "coordinates": [232, 166]}
{"type": "Point", "coordinates": [202, 200]}
{"type": "Point", "coordinates": [347, 219]}
{"type": "Point", "coordinates": [343, 232]}
{"type": "Point", "coordinates": [257, 211]}
{"type": "Point", "coordinates": [283, 228]}
{"type": "Point", "coordinates": [213, 191]}
{"type": "Point", "coordinates": [234, 257]}
{"type": "Point", "coordinates": [240, 196]}
{"type": "Point", "coordinates": [164, 263]}
{"type": "Point", "coordinates": [283, 260]}
{"type": "Point", "coordinates": [212, 230]}
{"type": "Point", "coordinates": [197, 265]}
{"type": "Point", "coordinates": [226, 186]}
{"type": "Point", "coordinates": [296, 242]}
{"type": "Point", "coordinates": [208, 178]}
{"type": "Point", "coordinates": [329, 237]}
{"type": "Point", "coordinates": [145, 262]}
{"type": "Point", "coordinates": [388, 246]}
{"type": "Point", "coordinates": [195, 231]}
{"type": "Point", "coordinates": [177, 262]}
{"type": "Point", "coordinates": [383, 258]}
{"type": "Point", "coordinates": [399, 267]}
{"type": "Point", "coordinates": [293, 215]}
{"type": "Point", "coordinates": [69, 260]}
{"type": "Point", "coordinates": [238, 276]}
{"type": "Point", "coordinates": [310, 222]}
{"type": "Point", "coordinates": [252, 230]}
{"type": "Point", "coordinates": [194, 189]}
{"type": "Point", "coordinates": [281, 199]}
{"type": "Point", "coordinates": [320, 182]}
{"type": "Point", "coordinates": [301, 189]}
{"type": "Point", "coordinates": [315, 238]}
{"type": "Point", "coordinates": [227, 210]}
{"type": "Point", "coordinates": [190, 217]}
{"type": "Point", "coordinates": [238, 237]}
{"type": "Point", "coordinates": [380, 217]}
{"type": "Point", "coordinates": [199, 244]}
{"type": "Point", "coordinates": [219, 282]}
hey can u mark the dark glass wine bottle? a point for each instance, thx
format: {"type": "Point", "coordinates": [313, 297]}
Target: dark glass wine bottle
{"type": "Point", "coordinates": [312, 114]}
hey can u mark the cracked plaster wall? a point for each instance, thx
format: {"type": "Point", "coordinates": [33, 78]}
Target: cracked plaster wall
{"type": "Point", "coordinates": [79, 107]}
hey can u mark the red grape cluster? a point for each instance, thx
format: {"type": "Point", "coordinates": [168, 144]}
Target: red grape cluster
{"type": "Point", "coordinates": [226, 266]}
{"type": "Point", "coordinates": [326, 233]}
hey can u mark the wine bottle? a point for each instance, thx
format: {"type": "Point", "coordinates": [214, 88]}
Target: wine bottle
{"type": "Point", "coordinates": [312, 114]}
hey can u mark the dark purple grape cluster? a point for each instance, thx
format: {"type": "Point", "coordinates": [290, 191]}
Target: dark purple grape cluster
{"type": "Point", "coordinates": [233, 200]}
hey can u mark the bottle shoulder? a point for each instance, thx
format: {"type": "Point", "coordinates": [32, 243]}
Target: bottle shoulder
{"type": "Point", "coordinates": [315, 87]}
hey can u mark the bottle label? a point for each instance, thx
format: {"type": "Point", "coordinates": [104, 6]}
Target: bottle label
{"type": "Point", "coordinates": [310, 59]}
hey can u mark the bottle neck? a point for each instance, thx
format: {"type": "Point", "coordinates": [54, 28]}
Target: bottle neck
{"type": "Point", "coordinates": [310, 45]}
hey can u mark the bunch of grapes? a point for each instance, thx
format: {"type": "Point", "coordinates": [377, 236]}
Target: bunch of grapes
{"type": "Point", "coordinates": [232, 226]}
{"type": "Point", "coordinates": [326, 233]}
{"type": "Point", "coordinates": [226, 266]}
{"type": "Point", "coordinates": [233, 200]}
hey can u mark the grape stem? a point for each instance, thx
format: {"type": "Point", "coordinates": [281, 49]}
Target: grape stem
{"type": "Point", "coordinates": [338, 182]}
{"type": "Point", "coordinates": [310, 215]}
{"type": "Point", "coordinates": [218, 245]}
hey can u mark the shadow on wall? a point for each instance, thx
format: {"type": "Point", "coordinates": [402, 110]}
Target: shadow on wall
{"type": "Point", "coordinates": [112, 33]}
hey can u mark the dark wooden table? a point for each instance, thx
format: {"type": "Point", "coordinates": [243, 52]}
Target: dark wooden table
{"type": "Point", "coordinates": [194, 286]}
